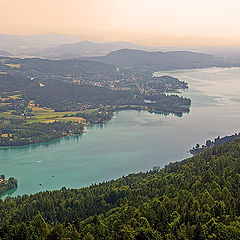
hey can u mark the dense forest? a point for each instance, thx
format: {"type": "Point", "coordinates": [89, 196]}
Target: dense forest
{"type": "Point", "coordinates": [7, 184]}
{"type": "Point", "coordinates": [198, 198]}
{"type": "Point", "coordinates": [15, 132]}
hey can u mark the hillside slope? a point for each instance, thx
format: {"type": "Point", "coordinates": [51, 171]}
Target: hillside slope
{"type": "Point", "coordinates": [197, 198]}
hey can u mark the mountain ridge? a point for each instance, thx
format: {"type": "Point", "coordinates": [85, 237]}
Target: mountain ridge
{"type": "Point", "coordinates": [158, 60]}
{"type": "Point", "coordinates": [87, 48]}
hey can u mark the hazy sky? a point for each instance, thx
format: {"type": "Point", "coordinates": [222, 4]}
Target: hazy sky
{"type": "Point", "coordinates": [156, 22]}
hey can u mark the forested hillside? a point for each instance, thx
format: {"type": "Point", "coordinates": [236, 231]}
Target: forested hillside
{"type": "Point", "coordinates": [198, 198]}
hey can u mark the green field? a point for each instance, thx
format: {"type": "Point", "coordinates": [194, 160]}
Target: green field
{"type": "Point", "coordinates": [42, 115]}
{"type": "Point", "coordinates": [46, 116]}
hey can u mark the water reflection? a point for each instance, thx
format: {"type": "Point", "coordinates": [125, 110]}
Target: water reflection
{"type": "Point", "coordinates": [45, 145]}
{"type": "Point", "coordinates": [133, 141]}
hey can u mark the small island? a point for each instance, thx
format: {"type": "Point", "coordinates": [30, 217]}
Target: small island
{"type": "Point", "coordinates": [7, 184]}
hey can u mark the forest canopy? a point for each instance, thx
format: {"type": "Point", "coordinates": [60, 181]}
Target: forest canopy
{"type": "Point", "coordinates": [197, 198]}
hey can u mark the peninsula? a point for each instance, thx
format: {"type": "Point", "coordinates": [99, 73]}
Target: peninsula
{"type": "Point", "coordinates": [216, 142]}
{"type": "Point", "coordinates": [7, 184]}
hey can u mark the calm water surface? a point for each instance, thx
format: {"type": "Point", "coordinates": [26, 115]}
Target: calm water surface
{"type": "Point", "coordinates": [133, 141]}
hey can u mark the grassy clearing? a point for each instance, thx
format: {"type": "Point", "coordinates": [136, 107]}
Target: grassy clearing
{"type": "Point", "coordinates": [3, 104]}
{"type": "Point", "coordinates": [13, 65]}
{"type": "Point", "coordinates": [45, 115]}
{"type": "Point", "coordinates": [73, 119]}
{"type": "Point", "coordinates": [17, 96]}
{"type": "Point", "coordinates": [49, 121]}
{"type": "Point", "coordinates": [64, 119]}
{"type": "Point", "coordinates": [8, 115]}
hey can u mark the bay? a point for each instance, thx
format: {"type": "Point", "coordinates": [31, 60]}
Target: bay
{"type": "Point", "coordinates": [133, 141]}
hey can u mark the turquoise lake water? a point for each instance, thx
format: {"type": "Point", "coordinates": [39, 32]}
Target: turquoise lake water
{"type": "Point", "coordinates": [133, 141]}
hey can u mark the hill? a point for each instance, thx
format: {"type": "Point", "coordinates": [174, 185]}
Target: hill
{"type": "Point", "coordinates": [139, 59]}
{"type": "Point", "coordinates": [197, 198]}
{"type": "Point", "coordinates": [58, 46]}
{"type": "Point", "coordinates": [87, 49]}
{"type": "Point", "coordinates": [31, 65]}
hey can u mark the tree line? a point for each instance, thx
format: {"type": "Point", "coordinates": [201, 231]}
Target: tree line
{"type": "Point", "coordinates": [15, 132]}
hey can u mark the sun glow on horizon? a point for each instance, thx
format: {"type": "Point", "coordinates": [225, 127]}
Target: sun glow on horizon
{"type": "Point", "coordinates": [155, 22]}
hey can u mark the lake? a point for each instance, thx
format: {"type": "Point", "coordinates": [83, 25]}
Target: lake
{"type": "Point", "coordinates": [133, 141]}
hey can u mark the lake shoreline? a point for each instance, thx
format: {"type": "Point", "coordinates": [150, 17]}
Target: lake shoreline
{"type": "Point", "coordinates": [97, 124]}
{"type": "Point", "coordinates": [133, 141]}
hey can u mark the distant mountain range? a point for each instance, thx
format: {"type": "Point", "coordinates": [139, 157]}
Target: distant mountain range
{"type": "Point", "coordinates": [127, 54]}
{"type": "Point", "coordinates": [140, 59]}
{"type": "Point", "coordinates": [87, 49]}
{"type": "Point", "coordinates": [57, 46]}
{"type": "Point", "coordinates": [26, 45]}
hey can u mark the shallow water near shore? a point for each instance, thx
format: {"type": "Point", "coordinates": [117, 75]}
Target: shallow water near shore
{"type": "Point", "coordinates": [133, 141]}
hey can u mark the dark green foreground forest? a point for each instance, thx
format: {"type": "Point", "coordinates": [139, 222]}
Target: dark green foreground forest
{"type": "Point", "coordinates": [198, 198]}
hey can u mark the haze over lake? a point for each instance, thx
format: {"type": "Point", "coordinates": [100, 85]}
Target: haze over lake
{"type": "Point", "coordinates": [133, 141]}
